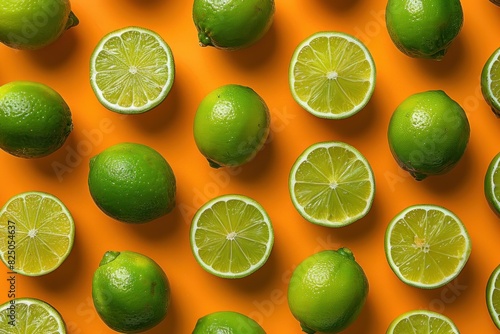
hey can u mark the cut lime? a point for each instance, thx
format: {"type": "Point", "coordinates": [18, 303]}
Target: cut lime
{"type": "Point", "coordinates": [231, 236]}
{"type": "Point", "coordinates": [36, 233]}
{"type": "Point", "coordinates": [132, 70]}
{"type": "Point", "coordinates": [490, 82]}
{"type": "Point", "coordinates": [493, 296]}
{"type": "Point", "coordinates": [332, 184]}
{"type": "Point", "coordinates": [29, 315]}
{"type": "Point", "coordinates": [492, 184]}
{"type": "Point", "coordinates": [332, 75]}
{"type": "Point", "coordinates": [427, 246]}
{"type": "Point", "coordinates": [422, 322]}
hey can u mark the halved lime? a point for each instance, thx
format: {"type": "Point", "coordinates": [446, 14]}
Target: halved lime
{"type": "Point", "coordinates": [427, 246]}
{"type": "Point", "coordinates": [36, 233]}
{"type": "Point", "coordinates": [490, 82]}
{"type": "Point", "coordinates": [332, 75]}
{"type": "Point", "coordinates": [231, 236]}
{"type": "Point", "coordinates": [492, 184]}
{"type": "Point", "coordinates": [132, 70]}
{"type": "Point", "coordinates": [30, 315]}
{"type": "Point", "coordinates": [493, 296]}
{"type": "Point", "coordinates": [422, 322]}
{"type": "Point", "coordinates": [332, 184]}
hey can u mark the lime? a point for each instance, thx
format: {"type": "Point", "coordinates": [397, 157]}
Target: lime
{"type": "Point", "coordinates": [132, 183]}
{"type": "Point", "coordinates": [492, 184]}
{"type": "Point", "coordinates": [428, 134]}
{"type": "Point", "coordinates": [131, 70]}
{"type": "Point", "coordinates": [424, 28]}
{"type": "Point", "coordinates": [227, 322]}
{"type": "Point", "coordinates": [30, 315]}
{"type": "Point", "coordinates": [490, 82]}
{"type": "Point", "coordinates": [493, 296]}
{"type": "Point", "coordinates": [232, 24]}
{"type": "Point", "coordinates": [332, 184]}
{"type": "Point", "coordinates": [231, 236]}
{"type": "Point", "coordinates": [422, 322]}
{"type": "Point", "coordinates": [496, 2]}
{"type": "Point", "coordinates": [327, 291]}
{"type": "Point", "coordinates": [231, 125]}
{"type": "Point", "coordinates": [427, 246]}
{"type": "Point", "coordinates": [332, 75]}
{"type": "Point", "coordinates": [34, 24]}
{"type": "Point", "coordinates": [36, 233]}
{"type": "Point", "coordinates": [131, 292]}
{"type": "Point", "coordinates": [34, 119]}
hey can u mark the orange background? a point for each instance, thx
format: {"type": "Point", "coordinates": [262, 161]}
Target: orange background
{"type": "Point", "coordinates": [65, 67]}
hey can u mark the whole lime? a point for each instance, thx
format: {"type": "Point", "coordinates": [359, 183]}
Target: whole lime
{"type": "Point", "coordinates": [34, 119]}
{"type": "Point", "coordinates": [232, 24]}
{"type": "Point", "coordinates": [227, 322]}
{"type": "Point", "coordinates": [424, 28]}
{"type": "Point", "coordinates": [130, 291]}
{"type": "Point", "coordinates": [327, 291]}
{"type": "Point", "coordinates": [428, 134]}
{"type": "Point", "coordinates": [132, 183]}
{"type": "Point", "coordinates": [34, 24]}
{"type": "Point", "coordinates": [231, 125]}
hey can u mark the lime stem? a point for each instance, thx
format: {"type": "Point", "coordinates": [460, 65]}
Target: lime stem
{"type": "Point", "coordinates": [213, 164]}
{"type": "Point", "coordinates": [72, 21]}
{"type": "Point", "coordinates": [108, 257]}
{"type": "Point", "coordinates": [344, 251]}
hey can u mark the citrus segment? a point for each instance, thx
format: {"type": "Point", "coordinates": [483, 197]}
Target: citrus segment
{"type": "Point", "coordinates": [427, 246]}
{"type": "Point", "coordinates": [332, 184]}
{"type": "Point", "coordinates": [490, 82]}
{"type": "Point", "coordinates": [493, 296]}
{"type": "Point", "coordinates": [422, 322]}
{"type": "Point", "coordinates": [231, 236]}
{"type": "Point", "coordinates": [492, 184]}
{"type": "Point", "coordinates": [332, 75]}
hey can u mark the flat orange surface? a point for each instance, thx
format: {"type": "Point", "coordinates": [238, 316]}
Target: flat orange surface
{"type": "Point", "coordinates": [65, 67]}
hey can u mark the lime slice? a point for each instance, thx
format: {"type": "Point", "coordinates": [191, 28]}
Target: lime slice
{"type": "Point", "coordinates": [422, 322]}
{"type": "Point", "coordinates": [29, 315]}
{"type": "Point", "coordinates": [490, 82]}
{"type": "Point", "coordinates": [231, 236]}
{"type": "Point", "coordinates": [131, 70]}
{"type": "Point", "coordinates": [36, 233]}
{"type": "Point", "coordinates": [332, 75]}
{"type": "Point", "coordinates": [332, 184]}
{"type": "Point", "coordinates": [427, 246]}
{"type": "Point", "coordinates": [493, 296]}
{"type": "Point", "coordinates": [492, 184]}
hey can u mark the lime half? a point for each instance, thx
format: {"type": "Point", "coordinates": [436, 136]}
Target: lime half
{"type": "Point", "coordinates": [493, 296]}
{"type": "Point", "coordinates": [29, 315]}
{"type": "Point", "coordinates": [131, 70]}
{"type": "Point", "coordinates": [490, 82]}
{"type": "Point", "coordinates": [422, 322]}
{"type": "Point", "coordinates": [332, 75]}
{"type": "Point", "coordinates": [36, 233]}
{"type": "Point", "coordinates": [231, 236]}
{"type": "Point", "coordinates": [492, 184]}
{"type": "Point", "coordinates": [427, 246]}
{"type": "Point", "coordinates": [332, 184]}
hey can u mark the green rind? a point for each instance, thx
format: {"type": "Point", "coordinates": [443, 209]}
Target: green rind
{"type": "Point", "coordinates": [489, 185]}
{"type": "Point", "coordinates": [490, 286]}
{"type": "Point", "coordinates": [429, 314]}
{"type": "Point", "coordinates": [493, 102]}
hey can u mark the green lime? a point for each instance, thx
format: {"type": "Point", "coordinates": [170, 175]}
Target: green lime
{"type": "Point", "coordinates": [327, 291]}
{"type": "Point", "coordinates": [36, 233]}
{"type": "Point", "coordinates": [428, 134]}
{"type": "Point", "coordinates": [427, 246]}
{"type": "Point", "coordinates": [131, 70]}
{"type": "Point", "coordinates": [490, 82]}
{"type": "Point", "coordinates": [34, 24]}
{"type": "Point", "coordinates": [496, 2]}
{"type": "Point", "coordinates": [231, 125]}
{"type": "Point", "coordinates": [493, 296]}
{"type": "Point", "coordinates": [332, 75]}
{"type": "Point", "coordinates": [231, 236]}
{"type": "Point", "coordinates": [227, 322]}
{"type": "Point", "coordinates": [34, 119]}
{"type": "Point", "coordinates": [492, 184]}
{"type": "Point", "coordinates": [332, 184]}
{"type": "Point", "coordinates": [422, 322]}
{"type": "Point", "coordinates": [424, 28]}
{"type": "Point", "coordinates": [30, 315]}
{"type": "Point", "coordinates": [132, 183]}
{"type": "Point", "coordinates": [232, 24]}
{"type": "Point", "coordinates": [131, 292]}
